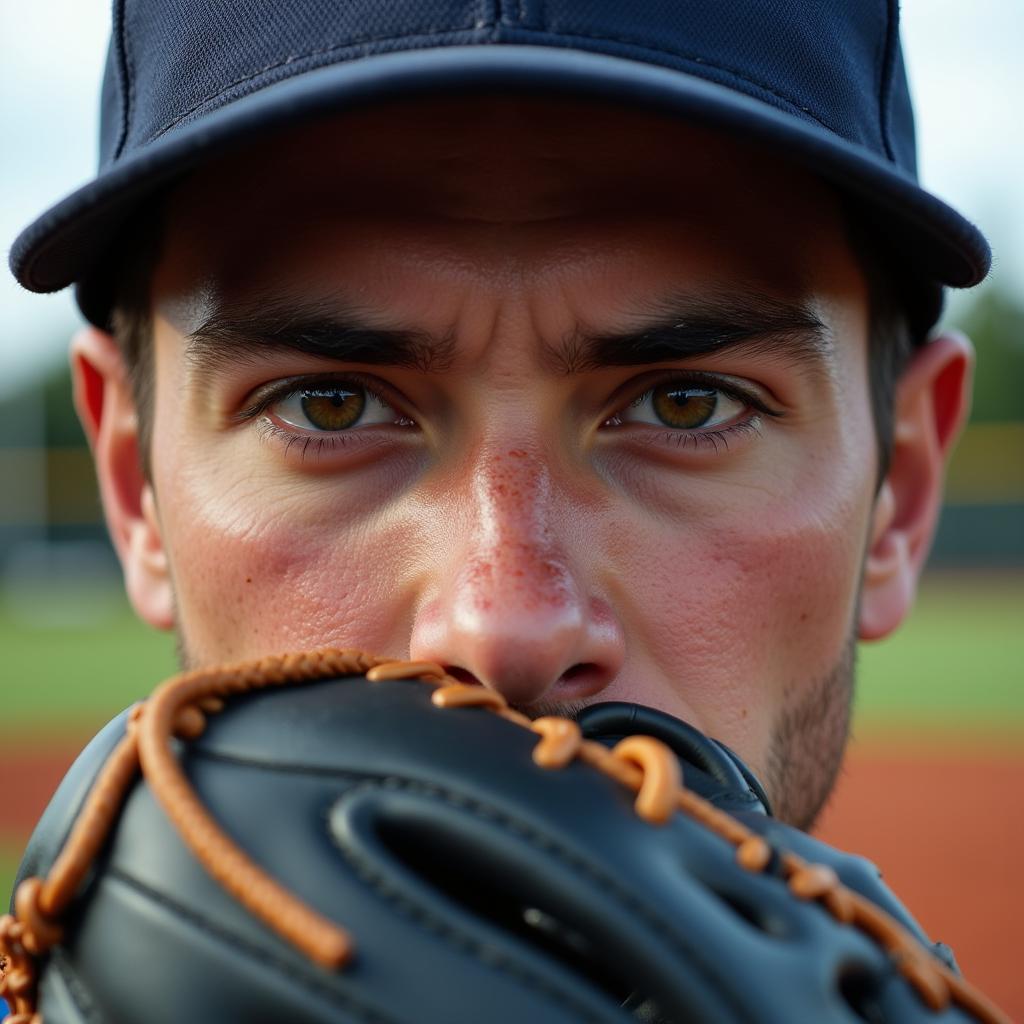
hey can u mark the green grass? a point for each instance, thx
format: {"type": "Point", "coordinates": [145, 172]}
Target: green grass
{"type": "Point", "coordinates": [10, 856]}
{"type": "Point", "coordinates": [956, 664]}
{"type": "Point", "coordinates": [64, 677]}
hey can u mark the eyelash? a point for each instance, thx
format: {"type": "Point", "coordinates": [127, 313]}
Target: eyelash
{"type": "Point", "coordinates": [313, 445]}
{"type": "Point", "coordinates": [268, 431]}
{"type": "Point", "coordinates": [308, 445]}
{"type": "Point", "coordinates": [716, 439]}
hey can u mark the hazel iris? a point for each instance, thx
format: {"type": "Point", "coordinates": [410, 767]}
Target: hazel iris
{"type": "Point", "coordinates": [334, 408]}
{"type": "Point", "coordinates": [682, 406]}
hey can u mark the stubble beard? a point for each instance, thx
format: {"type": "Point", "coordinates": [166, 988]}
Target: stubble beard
{"type": "Point", "coordinates": [808, 742]}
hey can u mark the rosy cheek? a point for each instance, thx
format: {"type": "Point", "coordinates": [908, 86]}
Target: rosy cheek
{"type": "Point", "coordinates": [274, 568]}
{"type": "Point", "coordinates": [797, 586]}
{"type": "Point", "coordinates": [738, 611]}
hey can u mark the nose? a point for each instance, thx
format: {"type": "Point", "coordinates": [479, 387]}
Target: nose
{"type": "Point", "coordinates": [510, 606]}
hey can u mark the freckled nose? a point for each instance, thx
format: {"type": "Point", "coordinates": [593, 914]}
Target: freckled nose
{"type": "Point", "coordinates": [509, 611]}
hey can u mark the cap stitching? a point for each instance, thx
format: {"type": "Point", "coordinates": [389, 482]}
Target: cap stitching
{"type": "Point", "coordinates": [122, 71]}
{"type": "Point", "coordinates": [878, 64]}
{"type": "Point", "coordinates": [886, 70]}
{"type": "Point", "coordinates": [292, 58]}
{"type": "Point", "coordinates": [509, 12]}
{"type": "Point", "coordinates": [129, 109]}
{"type": "Point", "coordinates": [701, 62]}
{"type": "Point", "coordinates": [489, 13]}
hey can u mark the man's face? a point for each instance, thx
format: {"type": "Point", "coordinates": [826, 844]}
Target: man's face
{"type": "Point", "coordinates": [570, 400]}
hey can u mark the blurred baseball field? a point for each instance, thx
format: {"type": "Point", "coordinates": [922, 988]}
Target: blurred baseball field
{"type": "Point", "coordinates": [933, 788]}
{"type": "Point", "coordinates": [955, 667]}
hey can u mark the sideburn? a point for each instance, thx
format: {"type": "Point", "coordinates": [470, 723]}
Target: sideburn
{"type": "Point", "coordinates": [808, 742]}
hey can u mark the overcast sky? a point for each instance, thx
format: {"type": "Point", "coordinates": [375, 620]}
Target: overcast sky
{"type": "Point", "coordinates": [964, 61]}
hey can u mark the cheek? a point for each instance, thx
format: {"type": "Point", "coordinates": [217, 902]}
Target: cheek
{"type": "Point", "coordinates": [263, 567]}
{"type": "Point", "coordinates": [740, 609]}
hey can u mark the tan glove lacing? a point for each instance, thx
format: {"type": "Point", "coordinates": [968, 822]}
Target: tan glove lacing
{"type": "Point", "coordinates": [179, 707]}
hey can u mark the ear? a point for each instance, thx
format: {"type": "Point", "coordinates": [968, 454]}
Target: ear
{"type": "Point", "coordinates": [931, 405]}
{"type": "Point", "coordinates": [105, 404]}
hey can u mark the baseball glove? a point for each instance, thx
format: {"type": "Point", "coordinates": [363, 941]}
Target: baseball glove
{"type": "Point", "coordinates": [337, 837]}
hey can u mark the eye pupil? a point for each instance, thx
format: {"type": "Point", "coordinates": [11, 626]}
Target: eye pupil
{"type": "Point", "coordinates": [684, 406]}
{"type": "Point", "coordinates": [334, 409]}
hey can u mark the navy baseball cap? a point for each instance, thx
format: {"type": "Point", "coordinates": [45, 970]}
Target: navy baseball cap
{"type": "Point", "coordinates": [820, 81]}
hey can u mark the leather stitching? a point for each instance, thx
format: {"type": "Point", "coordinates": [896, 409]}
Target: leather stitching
{"type": "Point", "coordinates": [263, 955]}
{"type": "Point", "coordinates": [518, 829]}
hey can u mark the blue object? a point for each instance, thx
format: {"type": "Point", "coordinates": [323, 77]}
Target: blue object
{"type": "Point", "coordinates": [823, 82]}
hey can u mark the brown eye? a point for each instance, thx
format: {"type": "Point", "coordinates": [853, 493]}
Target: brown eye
{"type": "Point", "coordinates": [684, 407]}
{"type": "Point", "coordinates": [333, 408]}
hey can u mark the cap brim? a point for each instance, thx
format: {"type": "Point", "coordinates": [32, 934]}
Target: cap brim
{"type": "Point", "coordinates": [68, 243]}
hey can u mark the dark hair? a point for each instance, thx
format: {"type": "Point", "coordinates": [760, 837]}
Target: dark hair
{"type": "Point", "coordinates": [893, 330]}
{"type": "Point", "coordinates": [131, 320]}
{"type": "Point", "coordinates": [891, 338]}
{"type": "Point", "coordinates": [890, 346]}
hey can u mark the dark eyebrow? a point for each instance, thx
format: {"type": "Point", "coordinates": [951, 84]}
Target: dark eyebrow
{"type": "Point", "coordinates": [239, 331]}
{"type": "Point", "coordinates": [687, 327]}
{"type": "Point", "coordinates": [675, 329]}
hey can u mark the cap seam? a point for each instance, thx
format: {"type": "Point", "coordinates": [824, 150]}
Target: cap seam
{"type": "Point", "coordinates": [886, 73]}
{"type": "Point", "coordinates": [48, 254]}
{"type": "Point", "coordinates": [129, 109]}
{"type": "Point", "coordinates": [431, 32]}
{"type": "Point", "coordinates": [511, 12]}
{"type": "Point", "coordinates": [122, 71]}
{"type": "Point", "coordinates": [878, 66]}
{"type": "Point", "coordinates": [487, 18]}
{"type": "Point", "coordinates": [696, 61]}
{"type": "Point", "coordinates": [477, 24]}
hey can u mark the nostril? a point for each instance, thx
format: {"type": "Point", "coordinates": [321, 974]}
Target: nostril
{"type": "Point", "coordinates": [577, 671]}
{"type": "Point", "coordinates": [462, 675]}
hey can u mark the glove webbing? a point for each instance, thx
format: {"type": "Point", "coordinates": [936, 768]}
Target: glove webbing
{"type": "Point", "coordinates": [179, 707]}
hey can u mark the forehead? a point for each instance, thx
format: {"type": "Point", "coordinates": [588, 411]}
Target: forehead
{"type": "Point", "coordinates": [499, 186]}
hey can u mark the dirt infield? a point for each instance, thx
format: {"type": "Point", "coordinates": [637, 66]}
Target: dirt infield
{"type": "Point", "coordinates": [27, 781]}
{"type": "Point", "coordinates": [947, 829]}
